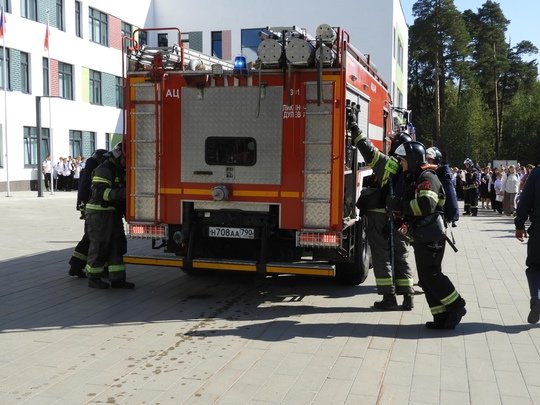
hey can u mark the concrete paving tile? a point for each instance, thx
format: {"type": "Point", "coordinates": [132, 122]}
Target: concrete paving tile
{"type": "Point", "coordinates": [333, 391]}
{"type": "Point", "coordinates": [427, 364]}
{"type": "Point", "coordinates": [425, 388]}
{"type": "Point", "coordinates": [394, 395]}
{"type": "Point", "coordinates": [449, 397]}
{"type": "Point", "coordinates": [404, 351]}
{"type": "Point", "coordinates": [299, 397]}
{"type": "Point", "coordinates": [345, 368]}
{"type": "Point", "coordinates": [398, 373]}
{"type": "Point", "coordinates": [505, 399]}
{"type": "Point", "coordinates": [275, 388]}
{"type": "Point", "coordinates": [480, 370]}
{"type": "Point", "coordinates": [361, 399]}
{"type": "Point", "coordinates": [367, 382]}
{"type": "Point", "coordinates": [454, 379]}
{"type": "Point", "coordinates": [484, 392]}
{"type": "Point", "coordinates": [511, 384]}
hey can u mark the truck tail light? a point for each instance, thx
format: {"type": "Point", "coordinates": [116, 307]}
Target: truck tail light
{"type": "Point", "coordinates": [318, 239]}
{"type": "Point", "coordinates": [146, 231]}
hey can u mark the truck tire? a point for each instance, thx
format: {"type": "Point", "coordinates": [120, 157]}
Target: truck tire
{"type": "Point", "coordinates": [356, 272]}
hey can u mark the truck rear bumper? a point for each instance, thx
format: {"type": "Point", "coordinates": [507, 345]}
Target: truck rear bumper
{"type": "Point", "coordinates": [301, 268]}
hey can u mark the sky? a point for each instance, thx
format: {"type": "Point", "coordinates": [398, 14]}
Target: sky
{"type": "Point", "coordinates": [523, 15]}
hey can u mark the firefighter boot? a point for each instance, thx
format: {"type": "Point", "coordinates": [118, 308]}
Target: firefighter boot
{"type": "Point", "coordinates": [408, 302]}
{"type": "Point", "coordinates": [534, 314]}
{"type": "Point", "coordinates": [388, 303]}
{"type": "Point", "coordinates": [456, 310]}
{"type": "Point", "coordinates": [97, 282]}
{"type": "Point", "coordinates": [122, 284]}
{"type": "Point", "coordinates": [74, 271]}
{"type": "Point", "coordinates": [438, 321]}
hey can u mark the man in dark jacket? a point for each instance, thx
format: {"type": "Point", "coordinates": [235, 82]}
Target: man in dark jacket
{"type": "Point", "coordinates": [451, 208]}
{"type": "Point", "coordinates": [391, 276]}
{"type": "Point", "coordinates": [421, 208]}
{"type": "Point", "coordinates": [77, 261]}
{"type": "Point", "coordinates": [471, 188]}
{"type": "Point", "coordinates": [529, 208]}
{"type": "Point", "coordinates": [104, 220]}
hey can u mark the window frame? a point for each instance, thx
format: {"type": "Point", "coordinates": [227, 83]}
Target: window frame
{"type": "Point", "coordinates": [26, 85]}
{"type": "Point", "coordinates": [46, 77]}
{"type": "Point", "coordinates": [5, 51]}
{"type": "Point", "coordinates": [78, 18]}
{"type": "Point", "coordinates": [216, 43]}
{"type": "Point", "coordinates": [29, 9]}
{"type": "Point", "coordinates": [65, 78]}
{"type": "Point", "coordinates": [99, 26]}
{"type": "Point", "coordinates": [119, 92]}
{"type": "Point", "coordinates": [60, 20]}
{"type": "Point", "coordinates": [249, 50]}
{"type": "Point", "coordinates": [30, 149]}
{"type": "Point", "coordinates": [95, 84]}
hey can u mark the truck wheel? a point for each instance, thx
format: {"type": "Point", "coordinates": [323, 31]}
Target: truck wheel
{"type": "Point", "coordinates": [356, 272]}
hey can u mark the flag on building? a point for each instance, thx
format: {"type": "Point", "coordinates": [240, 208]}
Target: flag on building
{"type": "Point", "coordinates": [46, 43]}
{"type": "Point", "coordinates": [2, 23]}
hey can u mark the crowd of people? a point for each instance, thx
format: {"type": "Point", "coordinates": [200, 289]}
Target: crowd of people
{"type": "Point", "coordinates": [497, 189]}
{"type": "Point", "coordinates": [64, 175]}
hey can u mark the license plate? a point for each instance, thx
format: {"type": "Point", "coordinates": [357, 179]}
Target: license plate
{"type": "Point", "coordinates": [235, 233]}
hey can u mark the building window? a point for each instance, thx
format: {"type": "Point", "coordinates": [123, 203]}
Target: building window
{"type": "Point", "coordinates": [60, 15]}
{"type": "Point", "coordinates": [25, 73]}
{"type": "Point", "coordinates": [119, 87]}
{"type": "Point", "coordinates": [127, 31]}
{"type": "Point", "coordinates": [75, 143]}
{"type": "Point", "coordinates": [65, 80]}
{"type": "Point", "coordinates": [6, 5]}
{"type": "Point", "coordinates": [217, 44]}
{"type": "Point", "coordinates": [2, 64]}
{"type": "Point", "coordinates": [95, 87]}
{"type": "Point", "coordinates": [143, 38]}
{"type": "Point", "coordinates": [30, 146]}
{"type": "Point", "coordinates": [46, 82]}
{"type": "Point", "coordinates": [78, 19]}
{"type": "Point", "coordinates": [250, 42]}
{"type": "Point", "coordinates": [399, 56]}
{"type": "Point", "coordinates": [99, 27]}
{"type": "Point", "coordinates": [193, 40]}
{"type": "Point", "coordinates": [29, 9]}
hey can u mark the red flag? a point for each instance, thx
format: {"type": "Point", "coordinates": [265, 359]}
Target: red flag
{"type": "Point", "coordinates": [46, 43]}
{"type": "Point", "coordinates": [2, 24]}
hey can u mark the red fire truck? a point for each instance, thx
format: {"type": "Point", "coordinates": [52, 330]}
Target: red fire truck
{"type": "Point", "coordinates": [250, 167]}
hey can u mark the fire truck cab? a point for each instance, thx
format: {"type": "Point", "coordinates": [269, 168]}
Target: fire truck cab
{"type": "Point", "coordinates": [250, 167]}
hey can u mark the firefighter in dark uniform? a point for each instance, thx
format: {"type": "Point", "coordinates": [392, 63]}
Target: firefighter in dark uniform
{"type": "Point", "coordinates": [470, 188]}
{"type": "Point", "coordinates": [444, 173]}
{"type": "Point", "coordinates": [529, 208]}
{"type": "Point", "coordinates": [398, 280]}
{"type": "Point", "coordinates": [423, 199]}
{"type": "Point", "coordinates": [104, 221]}
{"type": "Point", "coordinates": [77, 261]}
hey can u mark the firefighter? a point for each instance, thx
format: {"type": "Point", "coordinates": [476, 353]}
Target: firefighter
{"type": "Point", "coordinates": [421, 207]}
{"type": "Point", "coordinates": [77, 261]}
{"type": "Point", "coordinates": [470, 188]}
{"type": "Point", "coordinates": [384, 250]}
{"type": "Point", "coordinates": [529, 207]}
{"type": "Point", "coordinates": [444, 173]}
{"type": "Point", "coordinates": [104, 220]}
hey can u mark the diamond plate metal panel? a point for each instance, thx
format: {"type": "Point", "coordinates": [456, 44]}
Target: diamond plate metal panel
{"type": "Point", "coordinates": [145, 181]}
{"type": "Point", "coordinates": [145, 155]}
{"type": "Point", "coordinates": [144, 92]}
{"type": "Point", "coordinates": [316, 215]}
{"type": "Point", "coordinates": [145, 118]}
{"type": "Point", "coordinates": [317, 186]}
{"type": "Point", "coordinates": [318, 128]}
{"type": "Point", "coordinates": [144, 208]}
{"type": "Point", "coordinates": [232, 112]}
{"type": "Point", "coordinates": [318, 157]}
{"type": "Point", "coordinates": [327, 90]}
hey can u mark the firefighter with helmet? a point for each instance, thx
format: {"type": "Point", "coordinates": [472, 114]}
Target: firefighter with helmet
{"type": "Point", "coordinates": [471, 188]}
{"type": "Point", "coordinates": [104, 220]}
{"type": "Point", "coordinates": [421, 208]}
{"type": "Point", "coordinates": [77, 261]}
{"type": "Point", "coordinates": [444, 173]}
{"type": "Point", "coordinates": [390, 281]}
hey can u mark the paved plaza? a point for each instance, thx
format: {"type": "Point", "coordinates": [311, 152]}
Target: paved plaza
{"type": "Point", "coordinates": [240, 339]}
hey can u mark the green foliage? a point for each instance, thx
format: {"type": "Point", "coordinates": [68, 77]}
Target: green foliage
{"type": "Point", "coordinates": [489, 103]}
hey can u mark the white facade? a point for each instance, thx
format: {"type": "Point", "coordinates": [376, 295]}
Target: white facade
{"type": "Point", "coordinates": [374, 28]}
